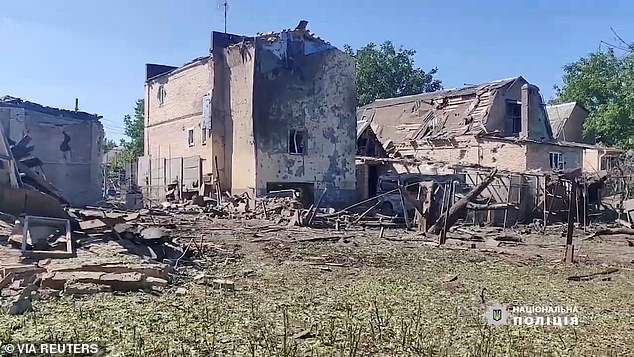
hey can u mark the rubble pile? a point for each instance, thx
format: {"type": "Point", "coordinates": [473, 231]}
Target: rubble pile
{"type": "Point", "coordinates": [280, 209]}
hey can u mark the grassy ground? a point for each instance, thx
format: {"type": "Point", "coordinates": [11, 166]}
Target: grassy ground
{"type": "Point", "coordinates": [388, 298]}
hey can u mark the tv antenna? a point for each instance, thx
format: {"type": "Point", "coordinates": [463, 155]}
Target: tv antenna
{"type": "Point", "coordinates": [224, 6]}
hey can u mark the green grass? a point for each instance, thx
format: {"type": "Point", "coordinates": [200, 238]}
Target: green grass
{"type": "Point", "coordinates": [391, 301]}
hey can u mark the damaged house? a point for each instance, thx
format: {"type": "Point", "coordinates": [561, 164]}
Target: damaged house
{"type": "Point", "coordinates": [500, 124]}
{"type": "Point", "coordinates": [259, 114]}
{"type": "Point", "coordinates": [566, 121]}
{"type": "Point", "coordinates": [66, 147]}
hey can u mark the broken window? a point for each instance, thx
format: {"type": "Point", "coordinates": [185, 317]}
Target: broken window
{"type": "Point", "coordinates": [161, 94]}
{"type": "Point", "coordinates": [296, 141]}
{"type": "Point", "coordinates": [203, 137]}
{"type": "Point", "coordinates": [514, 116]}
{"type": "Point", "coordinates": [608, 163]}
{"type": "Point", "coordinates": [556, 160]}
{"type": "Point", "coordinates": [190, 137]}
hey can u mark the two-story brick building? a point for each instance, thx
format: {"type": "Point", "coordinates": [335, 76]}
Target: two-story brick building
{"type": "Point", "coordinates": [258, 114]}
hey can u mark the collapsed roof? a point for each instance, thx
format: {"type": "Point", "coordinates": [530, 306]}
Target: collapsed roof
{"type": "Point", "coordinates": [8, 101]}
{"type": "Point", "coordinates": [436, 115]}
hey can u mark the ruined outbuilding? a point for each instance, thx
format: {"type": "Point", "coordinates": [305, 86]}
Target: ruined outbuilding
{"type": "Point", "coordinates": [67, 146]}
{"type": "Point", "coordinates": [263, 113]}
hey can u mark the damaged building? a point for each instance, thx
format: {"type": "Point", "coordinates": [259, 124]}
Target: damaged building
{"type": "Point", "coordinates": [67, 146]}
{"type": "Point", "coordinates": [501, 124]}
{"type": "Point", "coordinates": [259, 114]}
{"type": "Point", "coordinates": [566, 121]}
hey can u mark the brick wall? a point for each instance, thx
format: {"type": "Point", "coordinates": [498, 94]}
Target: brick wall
{"type": "Point", "coordinates": [168, 123]}
{"type": "Point", "coordinates": [504, 155]}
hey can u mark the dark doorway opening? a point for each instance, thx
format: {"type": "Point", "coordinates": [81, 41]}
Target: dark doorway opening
{"type": "Point", "coordinates": [373, 180]}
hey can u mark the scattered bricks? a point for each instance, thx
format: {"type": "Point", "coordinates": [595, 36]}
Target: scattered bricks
{"type": "Point", "coordinates": [201, 279]}
{"type": "Point", "coordinates": [75, 288]}
{"type": "Point", "coordinates": [219, 284]}
{"type": "Point", "coordinates": [125, 281]}
{"type": "Point", "coordinates": [223, 284]}
{"type": "Point", "coordinates": [156, 282]}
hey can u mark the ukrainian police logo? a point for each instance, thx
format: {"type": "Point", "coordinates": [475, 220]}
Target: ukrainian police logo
{"type": "Point", "coordinates": [496, 315]}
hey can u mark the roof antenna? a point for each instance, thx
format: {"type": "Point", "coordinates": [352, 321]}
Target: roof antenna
{"type": "Point", "coordinates": [224, 5]}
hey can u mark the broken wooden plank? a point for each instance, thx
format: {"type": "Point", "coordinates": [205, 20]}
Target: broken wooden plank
{"type": "Point", "coordinates": [610, 231]}
{"type": "Point", "coordinates": [489, 207]}
{"type": "Point", "coordinates": [591, 276]}
{"type": "Point", "coordinates": [326, 238]}
{"type": "Point", "coordinates": [457, 210]}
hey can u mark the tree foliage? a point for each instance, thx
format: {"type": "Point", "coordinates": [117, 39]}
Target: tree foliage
{"type": "Point", "coordinates": [385, 72]}
{"type": "Point", "coordinates": [134, 127]}
{"type": "Point", "coordinates": [108, 144]}
{"type": "Point", "coordinates": [604, 83]}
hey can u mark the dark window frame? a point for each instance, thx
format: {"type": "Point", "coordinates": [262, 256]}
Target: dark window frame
{"type": "Point", "coordinates": [514, 116]}
{"type": "Point", "coordinates": [297, 142]}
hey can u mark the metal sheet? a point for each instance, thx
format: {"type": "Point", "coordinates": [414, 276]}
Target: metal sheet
{"type": "Point", "coordinates": [174, 170]}
{"type": "Point", "coordinates": [143, 171]}
{"type": "Point", "coordinates": [191, 172]}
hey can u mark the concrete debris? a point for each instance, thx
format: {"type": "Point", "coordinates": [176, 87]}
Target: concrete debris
{"type": "Point", "coordinates": [114, 281]}
{"type": "Point", "coordinates": [218, 284]}
{"type": "Point", "coordinates": [76, 288]}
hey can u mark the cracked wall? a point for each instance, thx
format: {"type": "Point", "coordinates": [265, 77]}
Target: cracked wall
{"type": "Point", "coordinates": [312, 89]}
{"type": "Point", "coordinates": [241, 61]}
{"type": "Point", "coordinates": [70, 150]}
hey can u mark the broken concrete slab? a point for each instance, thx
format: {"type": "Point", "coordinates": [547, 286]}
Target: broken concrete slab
{"type": "Point", "coordinates": [153, 233]}
{"type": "Point", "coordinates": [116, 281]}
{"type": "Point", "coordinates": [75, 288]}
{"type": "Point", "coordinates": [156, 282]}
{"type": "Point", "coordinates": [155, 270]}
{"type": "Point", "coordinates": [57, 280]}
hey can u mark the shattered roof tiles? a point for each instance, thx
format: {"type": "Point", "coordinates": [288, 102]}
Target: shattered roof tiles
{"type": "Point", "coordinates": [434, 115]}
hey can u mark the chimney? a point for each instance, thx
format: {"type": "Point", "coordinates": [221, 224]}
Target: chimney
{"type": "Point", "coordinates": [76, 104]}
{"type": "Point", "coordinates": [302, 25]}
{"type": "Point", "coordinates": [526, 111]}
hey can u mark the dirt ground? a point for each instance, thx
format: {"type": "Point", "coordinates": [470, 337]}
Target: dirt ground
{"type": "Point", "coordinates": [309, 292]}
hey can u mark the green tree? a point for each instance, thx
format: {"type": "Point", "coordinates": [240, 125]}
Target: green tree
{"type": "Point", "coordinates": [134, 126]}
{"type": "Point", "coordinates": [108, 144]}
{"type": "Point", "coordinates": [604, 83]}
{"type": "Point", "coordinates": [385, 72]}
